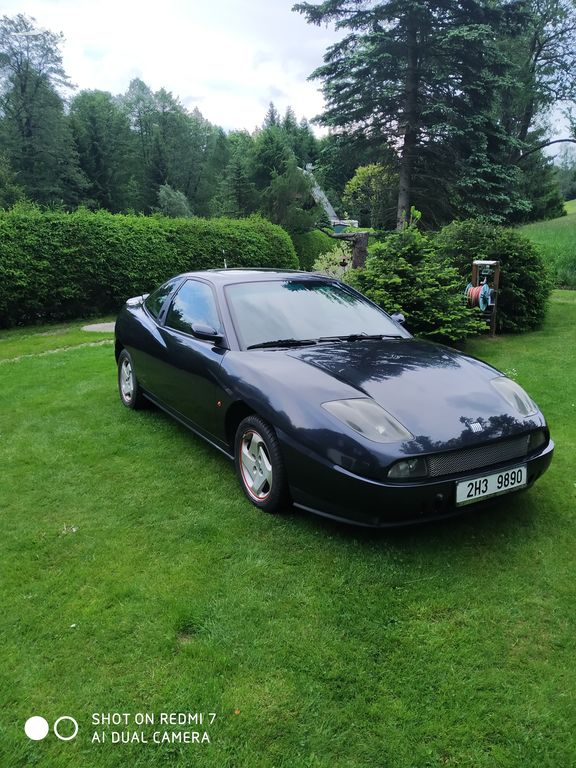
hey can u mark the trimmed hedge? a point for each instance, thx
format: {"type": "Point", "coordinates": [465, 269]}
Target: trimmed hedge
{"type": "Point", "coordinates": [310, 245]}
{"type": "Point", "coordinates": [58, 266]}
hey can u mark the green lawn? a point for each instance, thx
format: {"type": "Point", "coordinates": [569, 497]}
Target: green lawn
{"type": "Point", "coordinates": [136, 578]}
{"type": "Point", "coordinates": [557, 240]}
{"type": "Point", "coordinates": [31, 340]}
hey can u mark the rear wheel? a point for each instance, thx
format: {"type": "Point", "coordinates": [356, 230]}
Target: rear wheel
{"type": "Point", "coordinates": [128, 387]}
{"type": "Point", "coordinates": [259, 465]}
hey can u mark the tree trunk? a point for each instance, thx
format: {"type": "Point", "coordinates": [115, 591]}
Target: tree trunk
{"type": "Point", "coordinates": [410, 127]}
{"type": "Point", "coordinates": [359, 250]}
{"type": "Point", "coordinates": [359, 242]}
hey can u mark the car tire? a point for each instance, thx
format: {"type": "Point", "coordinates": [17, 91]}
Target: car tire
{"type": "Point", "coordinates": [129, 389]}
{"type": "Point", "coordinates": [260, 466]}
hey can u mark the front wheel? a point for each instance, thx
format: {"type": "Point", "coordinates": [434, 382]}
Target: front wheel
{"type": "Point", "coordinates": [128, 387]}
{"type": "Point", "coordinates": [259, 465]}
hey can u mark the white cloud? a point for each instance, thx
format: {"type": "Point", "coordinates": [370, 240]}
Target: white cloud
{"type": "Point", "coordinates": [228, 58]}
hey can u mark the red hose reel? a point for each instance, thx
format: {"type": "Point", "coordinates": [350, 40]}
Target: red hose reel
{"type": "Point", "coordinates": [478, 296]}
{"type": "Point", "coordinates": [482, 292]}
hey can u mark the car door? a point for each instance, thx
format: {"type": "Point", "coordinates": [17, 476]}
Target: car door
{"type": "Point", "coordinates": [189, 367]}
{"type": "Point", "coordinates": [146, 345]}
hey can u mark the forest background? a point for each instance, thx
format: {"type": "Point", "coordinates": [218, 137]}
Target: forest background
{"type": "Point", "coordinates": [443, 106]}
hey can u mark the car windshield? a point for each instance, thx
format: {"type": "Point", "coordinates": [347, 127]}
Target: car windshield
{"type": "Point", "coordinates": [302, 310]}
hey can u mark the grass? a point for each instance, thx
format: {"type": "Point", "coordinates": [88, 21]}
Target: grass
{"type": "Point", "coordinates": [35, 340]}
{"type": "Point", "coordinates": [136, 578]}
{"type": "Point", "coordinates": [557, 240]}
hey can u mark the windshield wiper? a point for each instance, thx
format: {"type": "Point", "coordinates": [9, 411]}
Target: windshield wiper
{"type": "Point", "coordinates": [361, 337]}
{"type": "Point", "coordinates": [309, 342]}
{"type": "Point", "coordinates": [283, 343]}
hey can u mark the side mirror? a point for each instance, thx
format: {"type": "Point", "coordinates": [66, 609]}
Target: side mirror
{"type": "Point", "coordinates": [399, 318]}
{"type": "Point", "coordinates": [206, 332]}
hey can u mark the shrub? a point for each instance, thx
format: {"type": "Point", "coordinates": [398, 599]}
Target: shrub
{"type": "Point", "coordinates": [525, 283]}
{"type": "Point", "coordinates": [173, 203]}
{"type": "Point", "coordinates": [403, 273]}
{"type": "Point", "coordinates": [336, 262]}
{"type": "Point", "coordinates": [371, 195]}
{"type": "Point", "coordinates": [310, 245]}
{"type": "Point", "coordinates": [57, 266]}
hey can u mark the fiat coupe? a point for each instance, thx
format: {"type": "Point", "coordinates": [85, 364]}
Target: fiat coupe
{"type": "Point", "coordinates": [324, 401]}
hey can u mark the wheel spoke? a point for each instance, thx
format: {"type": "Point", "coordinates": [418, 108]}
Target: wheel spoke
{"type": "Point", "coordinates": [253, 447]}
{"type": "Point", "coordinates": [265, 470]}
{"type": "Point", "coordinates": [259, 483]}
{"type": "Point", "coordinates": [247, 465]}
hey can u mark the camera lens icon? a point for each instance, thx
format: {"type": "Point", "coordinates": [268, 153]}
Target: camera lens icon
{"type": "Point", "coordinates": [36, 728]}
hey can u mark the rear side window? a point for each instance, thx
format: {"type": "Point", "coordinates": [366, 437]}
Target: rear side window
{"type": "Point", "coordinates": [194, 303]}
{"type": "Point", "coordinates": [155, 301]}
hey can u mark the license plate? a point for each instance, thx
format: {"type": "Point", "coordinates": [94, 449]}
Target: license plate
{"type": "Point", "coordinates": [477, 488]}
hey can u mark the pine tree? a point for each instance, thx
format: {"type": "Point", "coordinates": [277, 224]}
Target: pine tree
{"type": "Point", "coordinates": [424, 81]}
{"type": "Point", "coordinates": [105, 147]}
{"type": "Point", "coordinates": [272, 117]}
{"type": "Point", "coordinates": [34, 129]}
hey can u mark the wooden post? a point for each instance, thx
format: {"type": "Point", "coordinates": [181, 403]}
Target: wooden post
{"type": "Point", "coordinates": [489, 271]}
{"type": "Point", "coordinates": [359, 249]}
{"type": "Point", "coordinates": [359, 242]}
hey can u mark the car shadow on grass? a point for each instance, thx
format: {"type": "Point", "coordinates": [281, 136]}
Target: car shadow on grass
{"type": "Point", "coordinates": [488, 523]}
{"type": "Point", "coordinates": [496, 524]}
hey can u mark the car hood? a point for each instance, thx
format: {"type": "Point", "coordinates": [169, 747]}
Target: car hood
{"type": "Point", "coordinates": [444, 398]}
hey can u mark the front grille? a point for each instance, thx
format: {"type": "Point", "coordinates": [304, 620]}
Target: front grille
{"type": "Point", "coordinates": [468, 459]}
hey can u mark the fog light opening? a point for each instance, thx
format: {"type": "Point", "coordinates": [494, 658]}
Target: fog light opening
{"type": "Point", "coordinates": [408, 469]}
{"type": "Point", "coordinates": [537, 440]}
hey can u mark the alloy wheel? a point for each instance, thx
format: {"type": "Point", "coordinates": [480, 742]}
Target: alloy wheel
{"type": "Point", "coordinates": [126, 380]}
{"type": "Point", "coordinates": [255, 466]}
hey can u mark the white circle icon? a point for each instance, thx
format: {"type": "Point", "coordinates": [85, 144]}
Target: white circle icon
{"type": "Point", "coordinates": [65, 738]}
{"type": "Point", "coordinates": [36, 728]}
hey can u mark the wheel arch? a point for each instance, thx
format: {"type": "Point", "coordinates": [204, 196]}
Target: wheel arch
{"type": "Point", "coordinates": [235, 414]}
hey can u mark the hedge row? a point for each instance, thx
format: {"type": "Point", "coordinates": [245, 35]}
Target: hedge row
{"type": "Point", "coordinates": [57, 266]}
{"type": "Point", "coordinates": [310, 245]}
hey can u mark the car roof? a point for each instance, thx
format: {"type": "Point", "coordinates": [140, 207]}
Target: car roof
{"type": "Point", "coordinates": [240, 275]}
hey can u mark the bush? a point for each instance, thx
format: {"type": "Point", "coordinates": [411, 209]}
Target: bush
{"type": "Point", "coordinates": [336, 262]}
{"type": "Point", "coordinates": [310, 245]}
{"type": "Point", "coordinates": [525, 283]}
{"type": "Point", "coordinates": [403, 273]}
{"type": "Point", "coordinates": [57, 266]}
{"type": "Point", "coordinates": [173, 203]}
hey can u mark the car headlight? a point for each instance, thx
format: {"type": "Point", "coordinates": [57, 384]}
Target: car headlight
{"type": "Point", "coordinates": [515, 396]}
{"type": "Point", "coordinates": [368, 419]}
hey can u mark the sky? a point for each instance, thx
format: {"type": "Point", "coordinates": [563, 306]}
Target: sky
{"type": "Point", "coordinates": [229, 58]}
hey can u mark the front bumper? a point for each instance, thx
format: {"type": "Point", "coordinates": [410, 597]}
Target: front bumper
{"type": "Point", "coordinates": [333, 492]}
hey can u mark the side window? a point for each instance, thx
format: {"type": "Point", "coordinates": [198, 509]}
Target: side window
{"type": "Point", "coordinates": [156, 299]}
{"type": "Point", "coordinates": [194, 303]}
